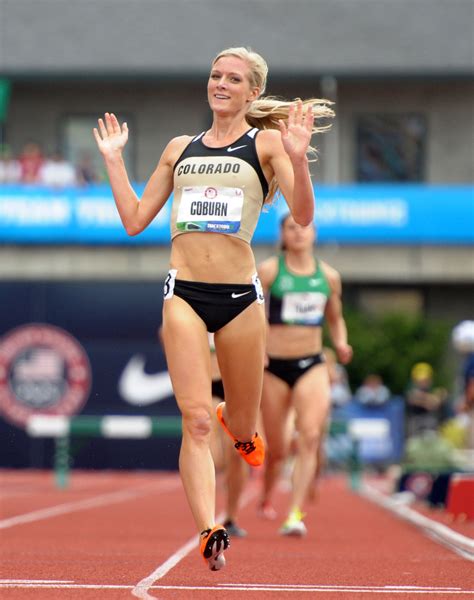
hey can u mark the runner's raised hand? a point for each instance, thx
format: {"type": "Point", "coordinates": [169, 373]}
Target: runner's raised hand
{"type": "Point", "coordinates": [112, 137]}
{"type": "Point", "coordinates": [296, 133]}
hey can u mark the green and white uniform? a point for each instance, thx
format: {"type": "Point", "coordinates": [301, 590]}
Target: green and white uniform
{"type": "Point", "coordinates": [298, 299]}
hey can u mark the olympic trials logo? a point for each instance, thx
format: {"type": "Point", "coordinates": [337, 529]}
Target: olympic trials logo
{"type": "Point", "coordinates": [420, 483]}
{"type": "Point", "coordinates": [43, 370]}
{"type": "Point", "coordinates": [210, 193]}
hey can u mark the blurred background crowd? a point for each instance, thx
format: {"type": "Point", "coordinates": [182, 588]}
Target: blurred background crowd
{"type": "Point", "coordinates": [35, 167]}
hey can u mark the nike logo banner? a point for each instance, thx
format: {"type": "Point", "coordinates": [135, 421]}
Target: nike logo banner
{"type": "Point", "coordinates": [140, 388]}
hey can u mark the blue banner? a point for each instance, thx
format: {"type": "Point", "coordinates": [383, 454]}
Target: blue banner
{"type": "Point", "coordinates": [396, 214]}
{"type": "Point", "coordinates": [345, 214]}
{"type": "Point", "coordinates": [72, 216]}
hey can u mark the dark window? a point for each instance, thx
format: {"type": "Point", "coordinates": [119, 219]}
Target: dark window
{"type": "Point", "coordinates": [390, 147]}
{"type": "Point", "coordinates": [81, 150]}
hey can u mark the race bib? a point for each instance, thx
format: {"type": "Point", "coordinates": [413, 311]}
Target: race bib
{"type": "Point", "coordinates": [303, 308]}
{"type": "Point", "coordinates": [210, 338]}
{"type": "Point", "coordinates": [217, 209]}
{"type": "Point", "coordinates": [168, 288]}
{"type": "Point", "coordinates": [258, 288]}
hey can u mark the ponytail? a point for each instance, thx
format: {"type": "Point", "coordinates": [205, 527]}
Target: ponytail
{"type": "Point", "coordinates": [267, 111]}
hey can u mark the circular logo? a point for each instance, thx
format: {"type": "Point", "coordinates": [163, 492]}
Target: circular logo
{"type": "Point", "coordinates": [210, 193]}
{"type": "Point", "coordinates": [286, 283]}
{"type": "Point", "coordinates": [43, 370]}
{"type": "Point", "coordinates": [420, 483]}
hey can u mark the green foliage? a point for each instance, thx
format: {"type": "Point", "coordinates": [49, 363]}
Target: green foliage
{"type": "Point", "coordinates": [390, 344]}
{"type": "Point", "coordinates": [429, 451]}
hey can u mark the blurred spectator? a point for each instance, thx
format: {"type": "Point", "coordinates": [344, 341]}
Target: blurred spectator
{"type": "Point", "coordinates": [31, 160]}
{"type": "Point", "coordinates": [424, 402]}
{"type": "Point", "coordinates": [469, 382]}
{"type": "Point", "coordinates": [340, 391]}
{"type": "Point", "coordinates": [372, 392]}
{"type": "Point", "coordinates": [466, 405]}
{"type": "Point", "coordinates": [463, 342]}
{"type": "Point", "coordinates": [10, 171]}
{"type": "Point", "coordinates": [57, 172]}
{"type": "Point", "coordinates": [86, 171]}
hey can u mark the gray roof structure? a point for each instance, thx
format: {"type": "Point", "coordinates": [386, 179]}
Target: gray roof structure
{"type": "Point", "coordinates": [144, 38]}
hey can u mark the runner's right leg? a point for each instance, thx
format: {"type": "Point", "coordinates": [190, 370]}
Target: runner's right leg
{"type": "Point", "coordinates": [187, 354]}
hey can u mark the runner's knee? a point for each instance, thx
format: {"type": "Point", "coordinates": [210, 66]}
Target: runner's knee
{"type": "Point", "coordinates": [197, 423]}
{"type": "Point", "coordinates": [308, 440]}
{"type": "Point", "coordinates": [276, 454]}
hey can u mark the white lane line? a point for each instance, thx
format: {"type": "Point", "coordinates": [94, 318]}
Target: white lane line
{"type": "Point", "coordinates": [142, 587]}
{"type": "Point", "coordinates": [67, 586]}
{"type": "Point", "coordinates": [248, 588]}
{"type": "Point", "coordinates": [313, 589]}
{"type": "Point", "coordinates": [422, 588]}
{"type": "Point", "coordinates": [94, 502]}
{"type": "Point", "coordinates": [47, 581]}
{"type": "Point", "coordinates": [356, 587]}
{"type": "Point", "coordinates": [449, 538]}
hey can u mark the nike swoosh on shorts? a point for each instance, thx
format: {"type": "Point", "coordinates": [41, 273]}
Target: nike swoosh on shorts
{"type": "Point", "coordinates": [234, 295]}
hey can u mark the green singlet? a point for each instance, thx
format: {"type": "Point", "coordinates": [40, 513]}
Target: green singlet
{"type": "Point", "coordinates": [298, 299]}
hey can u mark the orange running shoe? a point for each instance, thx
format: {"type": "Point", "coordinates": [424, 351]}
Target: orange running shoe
{"type": "Point", "coordinates": [253, 452]}
{"type": "Point", "coordinates": [213, 543]}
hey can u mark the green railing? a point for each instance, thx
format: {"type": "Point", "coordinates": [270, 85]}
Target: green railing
{"type": "Point", "coordinates": [62, 429]}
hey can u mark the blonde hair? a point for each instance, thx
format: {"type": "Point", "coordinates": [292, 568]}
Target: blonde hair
{"type": "Point", "coordinates": [267, 111]}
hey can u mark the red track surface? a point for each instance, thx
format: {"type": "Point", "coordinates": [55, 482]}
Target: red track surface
{"type": "Point", "coordinates": [353, 548]}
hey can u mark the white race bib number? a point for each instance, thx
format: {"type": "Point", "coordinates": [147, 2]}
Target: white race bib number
{"type": "Point", "coordinates": [217, 209]}
{"type": "Point", "coordinates": [303, 308]}
{"type": "Point", "coordinates": [168, 287]}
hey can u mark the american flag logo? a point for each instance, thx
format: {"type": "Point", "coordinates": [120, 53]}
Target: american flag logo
{"type": "Point", "coordinates": [41, 364]}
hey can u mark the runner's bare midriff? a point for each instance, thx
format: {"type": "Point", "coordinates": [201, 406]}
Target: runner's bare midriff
{"type": "Point", "coordinates": [293, 341]}
{"type": "Point", "coordinates": [212, 258]}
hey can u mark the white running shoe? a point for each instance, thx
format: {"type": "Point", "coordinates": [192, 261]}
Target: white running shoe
{"type": "Point", "coordinates": [294, 525]}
